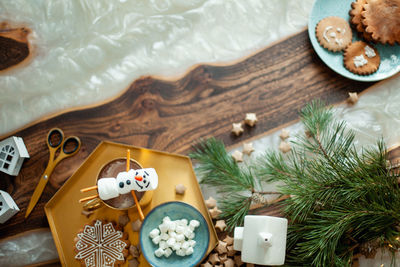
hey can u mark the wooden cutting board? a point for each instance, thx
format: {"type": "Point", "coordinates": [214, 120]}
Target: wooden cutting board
{"type": "Point", "coordinates": [171, 114]}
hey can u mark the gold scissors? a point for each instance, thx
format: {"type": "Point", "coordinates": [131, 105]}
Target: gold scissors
{"type": "Point", "coordinates": [55, 141]}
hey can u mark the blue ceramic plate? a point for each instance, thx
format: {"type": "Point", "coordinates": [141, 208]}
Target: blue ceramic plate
{"type": "Point", "coordinates": [390, 55]}
{"type": "Point", "coordinates": [175, 210]}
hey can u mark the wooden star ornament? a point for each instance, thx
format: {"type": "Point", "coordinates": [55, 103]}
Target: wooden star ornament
{"type": "Point", "coordinates": [214, 212]}
{"type": "Point", "coordinates": [237, 128]}
{"type": "Point", "coordinates": [284, 134]}
{"type": "Point", "coordinates": [248, 148]}
{"type": "Point", "coordinates": [221, 247]}
{"type": "Point", "coordinates": [211, 202]}
{"type": "Point", "coordinates": [285, 147]}
{"type": "Point", "coordinates": [213, 258]}
{"type": "Point", "coordinates": [237, 156]}
{"type": "Point", "coordinates": [220, 225]}
{"type": "Point", "coordinates": [251, 119]}
{"type": "Point", "coordinates": [353, 98]}
{"type": "Point", "coordinates": [228, 240]}
{"type": "Point", "coordinates": [207, 264]}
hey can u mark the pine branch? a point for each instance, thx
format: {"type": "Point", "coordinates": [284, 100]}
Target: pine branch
{"type": "Point", "coordinates": [217, 168]}
{"type": "Point", "coordinates": [341, 197]}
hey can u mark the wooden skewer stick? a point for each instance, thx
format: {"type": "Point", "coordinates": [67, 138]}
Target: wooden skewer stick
{"type": "Point", "coordinates": [88, 198]}
{"type": "Point", "coordinates": [128, 160]}
{"type": "Point", "coordinates": [87, 189]}
{"type": "Point", "coordinates": [141, 216]}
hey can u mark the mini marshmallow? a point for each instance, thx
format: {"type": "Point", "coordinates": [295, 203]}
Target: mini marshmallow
{"type": "Point", "coordinates": [194, 223]}
{"type": "Point", "coordinates": [163, 228]}
{"type": "Point", "coordinates": [188, 233]}
{"type": "Point", "coordinates": [159, 252]}
{"type": "Point", "coordinates": [191, 235]}
{"type": "Point", "coordinates": [177, 246]}
{"type": "Point", "coordinates": [167, 252]}
{"type": "Point", "coordinates": [155, 232]}
{"type": "Point", "coordinates": [171, 226]}
{"type": "Point", "coordinates": [164, 236]}
{"type": "Point", "coordinates": [179, 237]}
{"type": "Point", "coordinates": [163, 244]}
{"type": "Point", "coordinates": [171, 241]}
{"type": "Point", "coordinates": [180, 252]}
{"type": "Point", "coordinates": [189, 251]}
{"type": "Point", "coordinates": [180, 229]}
{"type": "Point", "coordinates": [172, 234]}
{"type": "Point", "coordinates": [185, 245]}
{"type": "Point", "coordinates": [156, 239]}
{"type": "Point", "coordinates": [192, 243]}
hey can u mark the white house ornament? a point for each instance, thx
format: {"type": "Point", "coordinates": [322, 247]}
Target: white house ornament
{"type": "Point", "coordinates": [12, 155]}
{"type": "Point", "coordinates": [8, 208]}
{"type": "Point", "coordinates": [250, 119]}
{"type": "Point", "coordinates": [262, 240]}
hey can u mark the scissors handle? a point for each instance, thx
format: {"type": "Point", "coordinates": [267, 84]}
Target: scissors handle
{"type": "Point", "coordinates": [55, 133]}
{"type": "Point", "coordinates": [69, 146]}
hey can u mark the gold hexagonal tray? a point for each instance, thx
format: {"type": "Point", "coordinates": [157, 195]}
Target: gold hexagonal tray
{"type": "Point", "coordinates": [63, 211]}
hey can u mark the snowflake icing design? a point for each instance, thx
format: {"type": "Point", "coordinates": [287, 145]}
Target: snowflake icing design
{"type": "Point", "coordinates": [100, 245]}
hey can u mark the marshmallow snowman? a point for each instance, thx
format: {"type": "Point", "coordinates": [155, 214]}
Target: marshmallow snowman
{"type": "Point", "coordinates": [138, 180]}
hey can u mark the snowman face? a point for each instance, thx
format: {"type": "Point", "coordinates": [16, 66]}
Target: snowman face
{"type": "Point", "coordinates": [139, 180]}
{"type": "Point", "coordinates": [145, 179]}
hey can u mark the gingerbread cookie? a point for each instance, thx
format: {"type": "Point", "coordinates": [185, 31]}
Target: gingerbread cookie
{"type": "Point", "coordinates": [361, 58]}
{"type": "Point", "coordinates": [333, 33]}
{"type": "Point", "coordinates": [382, 20]}
{"type": "Point", "coordinates": [356, 19]}
{"type": "Point", "coordinates": [101, 244]}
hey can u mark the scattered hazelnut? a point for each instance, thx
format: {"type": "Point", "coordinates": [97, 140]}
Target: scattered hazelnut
{"type": "Point", "coordinates": [136, 225]}
{"type": "Point", "coordinates": [180, 189]}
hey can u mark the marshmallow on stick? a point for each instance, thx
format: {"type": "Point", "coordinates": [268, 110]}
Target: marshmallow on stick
{"type": "Point", "coordinates": [138, 180]}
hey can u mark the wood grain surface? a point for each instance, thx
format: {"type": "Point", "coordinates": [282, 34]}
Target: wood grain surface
{"type": "Point", "coordinates": [171, 115]}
